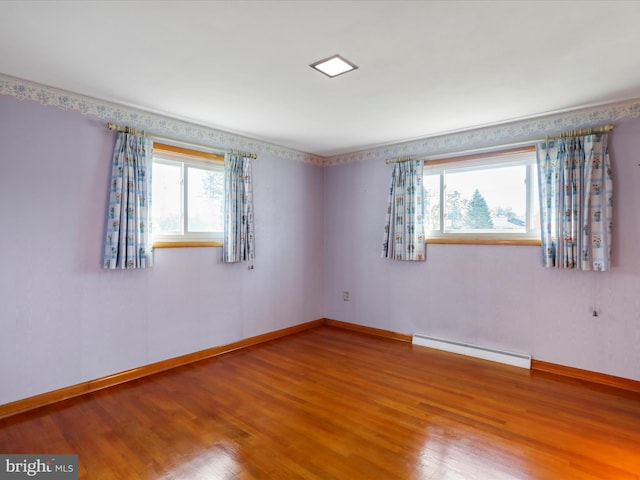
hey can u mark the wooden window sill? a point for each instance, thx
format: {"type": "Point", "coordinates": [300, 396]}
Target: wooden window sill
{"type": "Point", "coordinates": [484, 241]}
{"type": "Point", "coordinates": [186, 244]}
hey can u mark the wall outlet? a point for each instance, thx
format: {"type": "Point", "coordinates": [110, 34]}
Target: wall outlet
{"type": "Point", "coordinates": [345, 296]}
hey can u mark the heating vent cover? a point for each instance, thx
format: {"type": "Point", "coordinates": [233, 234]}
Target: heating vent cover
{"type": "Point", "coordinates": [510, 358]}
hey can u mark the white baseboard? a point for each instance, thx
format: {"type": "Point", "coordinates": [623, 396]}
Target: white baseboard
{"type": "Point", "coordinates": [509, 358]}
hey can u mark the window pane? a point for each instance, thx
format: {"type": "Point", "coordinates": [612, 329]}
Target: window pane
{"type": "Point", "coordinates": [535, 201]}
{"type": "Point", "coordinates": [487, 200]}
{"type": "Point", "coordinates": [432, 202]}
{"type": "Point", "coordinates": [166, 199]}
{"type": "Point", "coordinates": [205, 200]}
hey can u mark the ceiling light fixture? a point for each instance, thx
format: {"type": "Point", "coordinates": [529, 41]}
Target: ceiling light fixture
{"type": "Point", "coordinates": [333, 66]}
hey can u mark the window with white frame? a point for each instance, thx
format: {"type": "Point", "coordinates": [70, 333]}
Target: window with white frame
{"type": "Point", "coordinates": [188, 196]}
{"type": "Point", "coordinates": [487, 198]}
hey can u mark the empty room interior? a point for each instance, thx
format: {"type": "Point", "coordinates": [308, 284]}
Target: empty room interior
{"type": "Point", "coordinates": [320, 239]}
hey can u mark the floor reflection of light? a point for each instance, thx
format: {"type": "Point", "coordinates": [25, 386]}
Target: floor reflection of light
{"type": "Point", "coordinates": [451, 456]}
{"type": "Point", "coordinates": [218, 463]}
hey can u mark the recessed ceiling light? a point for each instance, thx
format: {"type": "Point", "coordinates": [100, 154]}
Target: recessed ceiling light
{"type": "Point", "coordinates": [333, 66]}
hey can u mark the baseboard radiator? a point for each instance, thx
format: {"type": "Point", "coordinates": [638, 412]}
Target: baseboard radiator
{"type": "Point", "coordinates": [501, 356]}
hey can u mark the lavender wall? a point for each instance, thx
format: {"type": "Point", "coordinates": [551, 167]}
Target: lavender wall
{"type": "Point", "coordinates": [495, 296]}
{"type": "Point", "coordinates": [64, 320]}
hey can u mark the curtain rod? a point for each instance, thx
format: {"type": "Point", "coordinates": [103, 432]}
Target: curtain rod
{"type": "Point", "coordinates": [135, 131]}
{"type": "Point", "coordinates": [570, 133]}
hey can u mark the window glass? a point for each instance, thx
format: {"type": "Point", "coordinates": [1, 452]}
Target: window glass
{"type": "Point", "coordinates": [188, 196]}
{"type": "Point", "coordinates": [166, 198]}
{"type": "Point", "coordinates": [491, 197]}
{"type": "Point", "coordinates": [205, 200]}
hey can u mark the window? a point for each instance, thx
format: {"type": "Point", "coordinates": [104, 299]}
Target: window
{"type": "Point", "coordinates": [188, 197]}
{"type": "Point", "coordinates": [487, 198]}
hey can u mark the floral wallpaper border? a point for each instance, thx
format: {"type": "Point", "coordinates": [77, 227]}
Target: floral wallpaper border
{"type": "Point", "coordinates": [149, 122]}
{"type": "Point", "coordinates": [512, 132]}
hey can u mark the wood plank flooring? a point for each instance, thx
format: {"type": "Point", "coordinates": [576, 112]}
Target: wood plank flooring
{"type": "Point", "coordinates": [328, 403]}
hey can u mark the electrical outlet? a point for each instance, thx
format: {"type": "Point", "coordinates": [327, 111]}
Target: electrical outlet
{"type": "Point", "coordinates": [345, 296]}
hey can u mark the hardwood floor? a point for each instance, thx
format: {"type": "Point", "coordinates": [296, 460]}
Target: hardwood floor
{"type": "Point", "coordinates": [328, 403]}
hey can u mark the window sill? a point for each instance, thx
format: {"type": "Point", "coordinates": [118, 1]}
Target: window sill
{"type": "Point", "coordinates": [484, 241]}
{"type": "Point", "coordinates": [186, 244]}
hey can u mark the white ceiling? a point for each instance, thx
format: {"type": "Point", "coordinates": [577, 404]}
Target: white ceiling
{"type": "Point", "coordinates": [425, 67]}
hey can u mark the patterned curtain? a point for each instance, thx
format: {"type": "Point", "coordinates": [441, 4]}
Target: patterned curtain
{"type": "Point", "coordinates": [239, 241]}
{"type": "Point", "coordinates": [128, 234]}
{"type": "Point", "coordinates": [576, 202]}
{"type": "Point", "coordinates": [404, 237]}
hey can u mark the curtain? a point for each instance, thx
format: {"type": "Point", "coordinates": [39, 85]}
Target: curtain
{"type": "Point", "coordinates": [576, 202]}
{"type": "Point", "coordinates": [128, 233]}
{"type": "Point", "coordinates": [404, 237]}
{"type": "Point", "coordinates": [239, 241]}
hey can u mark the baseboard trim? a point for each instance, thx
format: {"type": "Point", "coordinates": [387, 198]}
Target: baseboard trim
{"type": "Point", "coordinates": [586, 375]}
{"type": "Point", "coordinates": [536, 365]}
{"type": "Point", "coordinates": [64, 393]}
{"type": "Point", "coordinates": [378, 332]}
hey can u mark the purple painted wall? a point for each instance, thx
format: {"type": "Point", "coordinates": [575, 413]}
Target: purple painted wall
{"type": "Point", "coordinates": [495, 296]}
{"type": "Point", "coordinates": [64, 320]}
